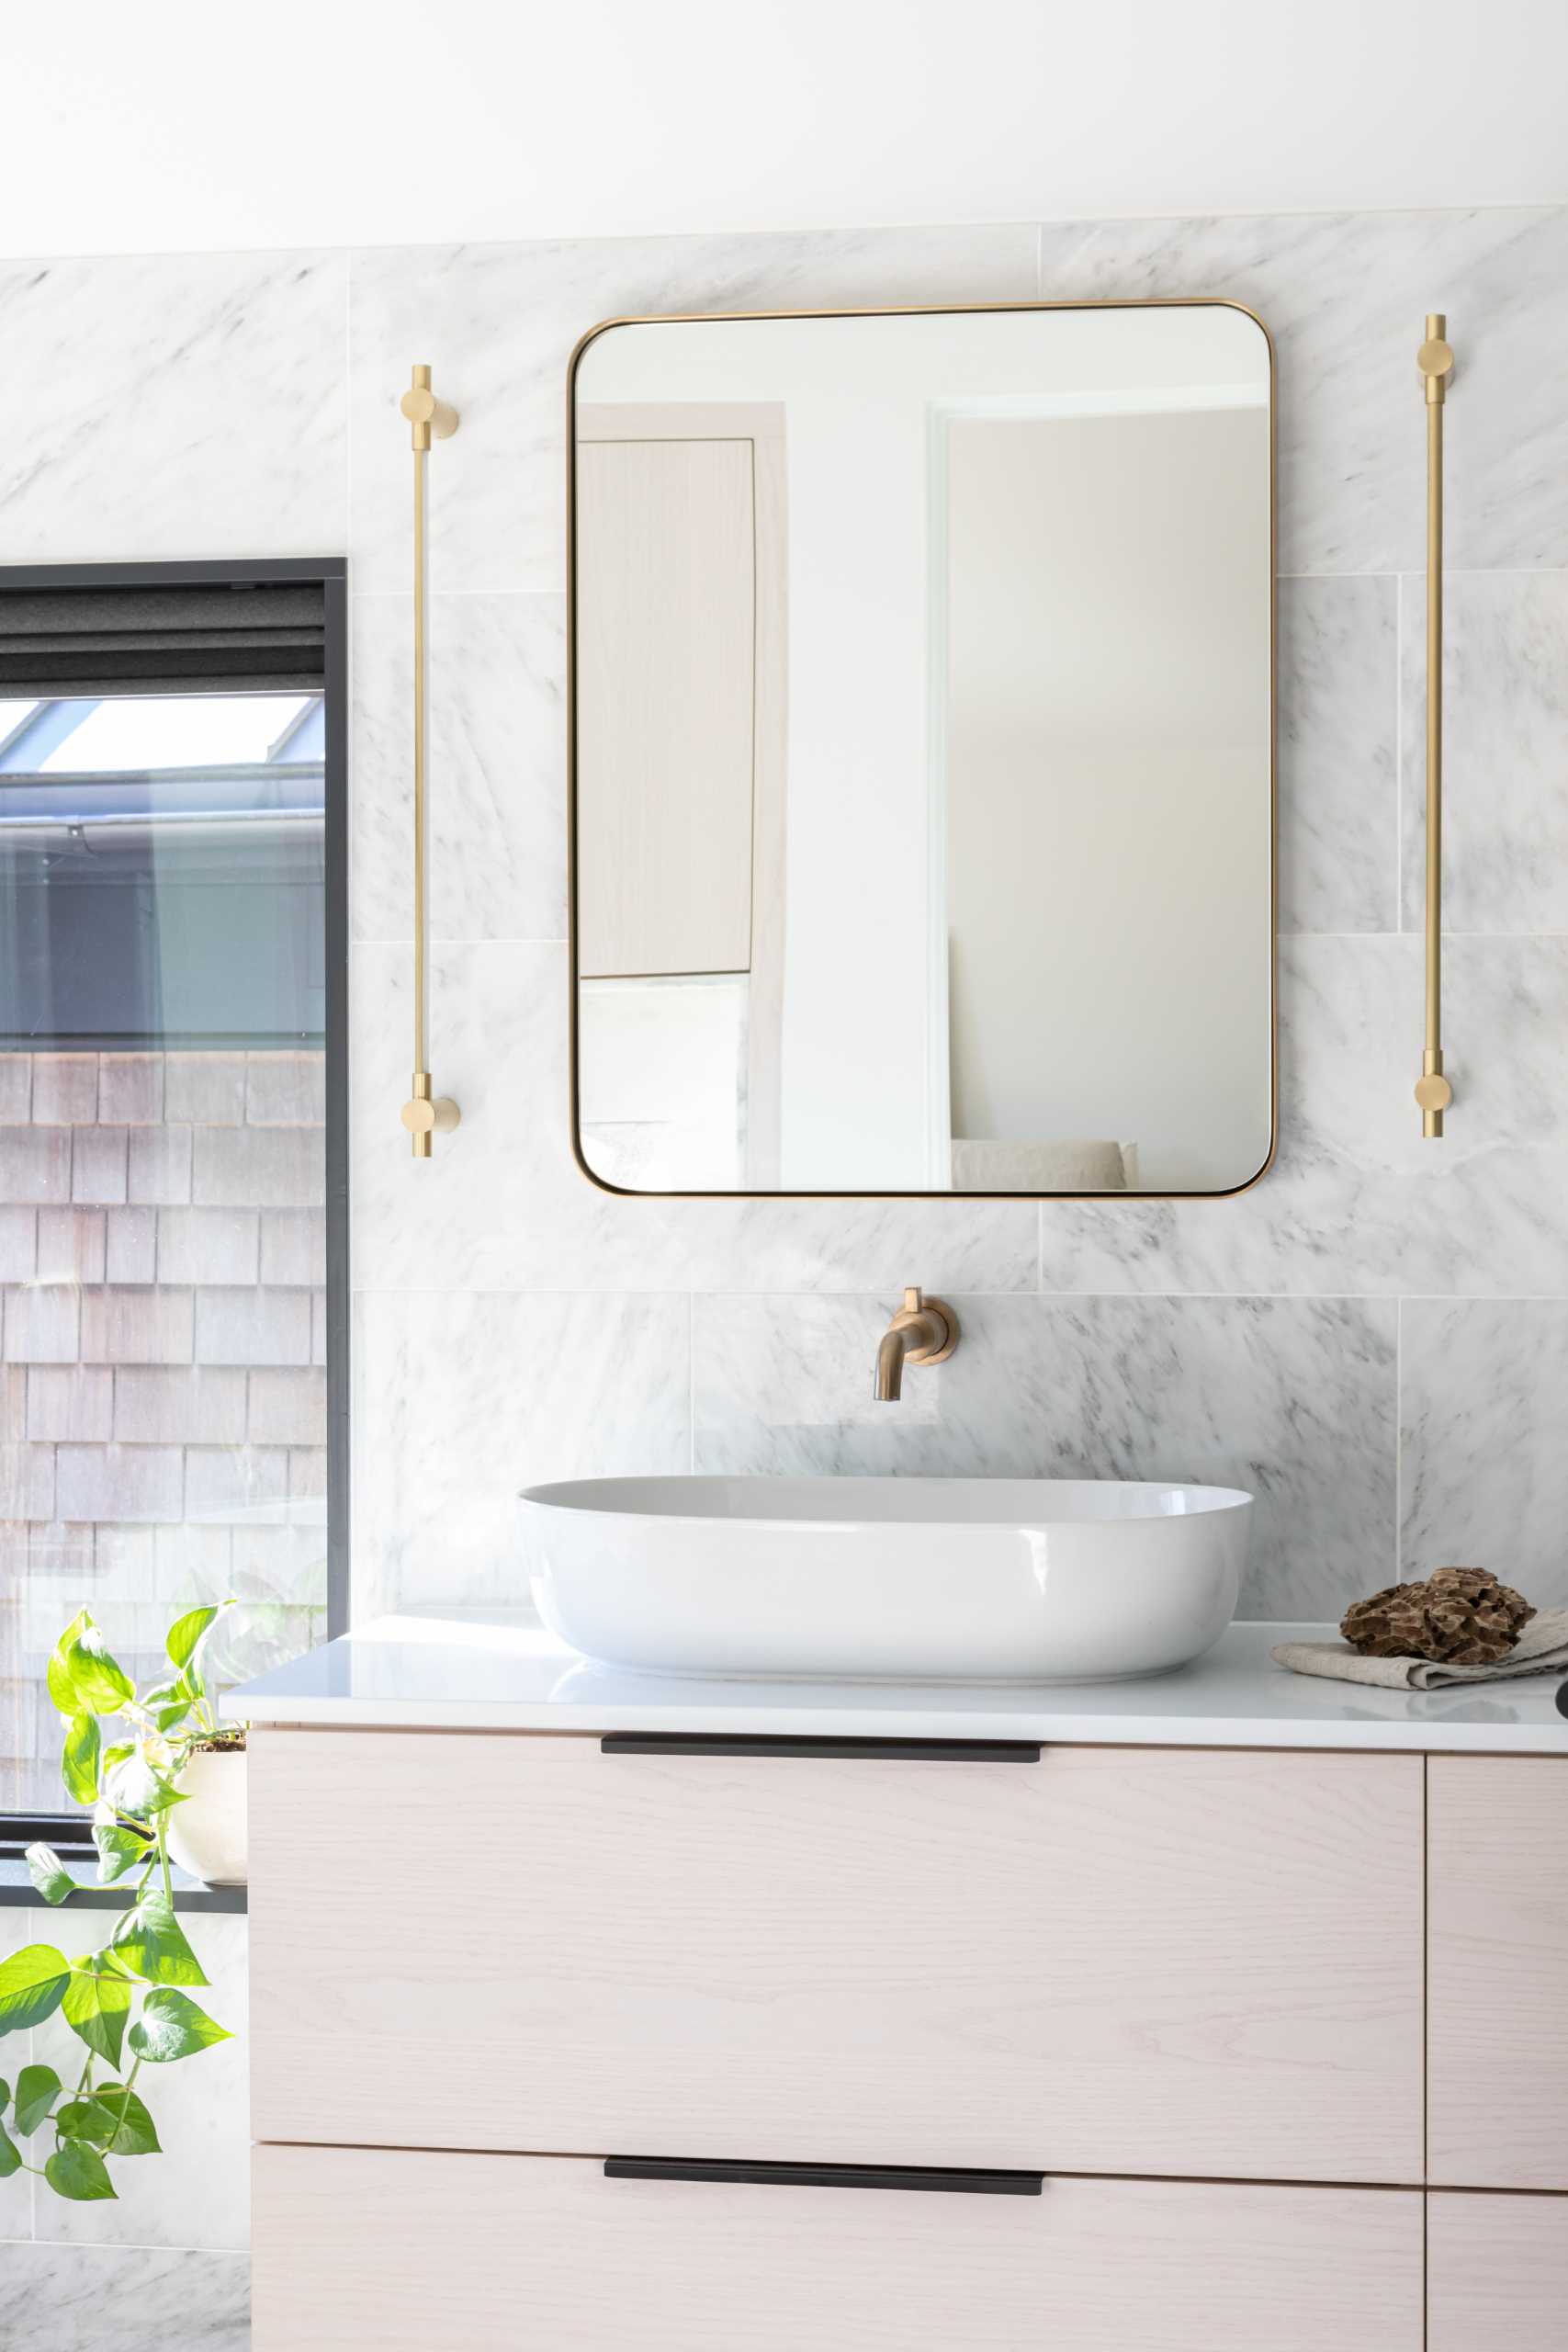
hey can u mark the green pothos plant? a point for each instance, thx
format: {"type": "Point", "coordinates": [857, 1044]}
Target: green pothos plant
{"type": "Point", "coordinates": [127, 2000]}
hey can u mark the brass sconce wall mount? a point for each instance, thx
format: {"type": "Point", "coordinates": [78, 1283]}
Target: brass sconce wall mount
{"type": "Point", "coordinates": [425, 1113]}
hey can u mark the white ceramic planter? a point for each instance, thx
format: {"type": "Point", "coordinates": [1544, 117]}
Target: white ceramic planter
{"type": "Point", "coordinates": [207, 1834]}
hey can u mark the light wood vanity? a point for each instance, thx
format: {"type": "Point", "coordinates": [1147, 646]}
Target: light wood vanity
{"type": "Point", "coordinates": [1246, 2043]}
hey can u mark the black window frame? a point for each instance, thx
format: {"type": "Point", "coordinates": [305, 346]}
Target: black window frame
{"type": "Point", "coordinates": [331, 572]}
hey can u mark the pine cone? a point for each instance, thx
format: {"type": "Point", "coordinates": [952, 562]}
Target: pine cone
{"type": "Point", "coordinates": [1459, 1617]}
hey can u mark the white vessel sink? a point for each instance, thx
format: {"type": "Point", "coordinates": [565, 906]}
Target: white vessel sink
{"type": "Point", "coordinates": [925, 1579]}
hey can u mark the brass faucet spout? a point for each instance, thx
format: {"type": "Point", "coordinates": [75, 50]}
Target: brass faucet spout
{"type": "Point", "coordinates": [891, 1352]}
{"type": "Point", "coordinates": [925, 1331]}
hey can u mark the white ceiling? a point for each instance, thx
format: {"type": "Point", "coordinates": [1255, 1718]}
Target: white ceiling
{"type": "Point", "coordinates": [205, 124]}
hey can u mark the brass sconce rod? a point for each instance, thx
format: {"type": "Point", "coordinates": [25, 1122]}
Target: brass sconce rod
{"type": "Point", "coordinates": [424, 1114]}
{"type": "Point", "coordinates": [1435, 361]}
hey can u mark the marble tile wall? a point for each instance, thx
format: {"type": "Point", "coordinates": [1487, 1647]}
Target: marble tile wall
{"type": "Point", "coordinates": [495, 1290]}
{"type": "Point", "coordinates": [1283, 1338]}
{"type": "Point", "coordinates": [1375, 1338]}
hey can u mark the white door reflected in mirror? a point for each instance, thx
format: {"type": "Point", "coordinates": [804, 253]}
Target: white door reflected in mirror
{"type": "Point", "coordinates": [923, 752]}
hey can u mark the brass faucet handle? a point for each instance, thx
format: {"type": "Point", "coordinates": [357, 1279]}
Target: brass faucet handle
{"type": "Point", "coordinates": [935, 1316]}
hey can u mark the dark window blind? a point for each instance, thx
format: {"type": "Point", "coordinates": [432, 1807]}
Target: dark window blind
{"type": "Point", "coordinates": [257, 637]}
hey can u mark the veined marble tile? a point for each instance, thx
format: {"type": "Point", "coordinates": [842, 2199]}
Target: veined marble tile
{"type": "Point", "coordinates": [498, 325]}
{"type": "Point", "coordinates": [1293, 1400]}
{"type": "Point", "coordinates": [464, 1398]}
{"type": "Point", "coordinates": [1483, 1401]}
{"type": "Point", "coordinates": [1347, 295]}
{"type": "Point", "coordinates": [197, 2192]}
{"type": "Point", "coordinates": [136, 2299]}
{"type": "Point", "coordinates": [497, 787]}
{"type": "Point", "coordinates": [1357, 1200]}
{"type": "Point", "coordinates": [1505, 751]}
{"type": "Point", "coordinates": [187, 404]}
{"type": "Point", "coordinates": [16, 2189]}
{"type": "Point", "coordinates": [502, 1205]}
{"type": "Point", "coordinates": [1339, 731]}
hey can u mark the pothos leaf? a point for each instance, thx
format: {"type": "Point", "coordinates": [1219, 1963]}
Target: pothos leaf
{"type": "Point", "coordinates": [95, 2004]}
{"type": "Point", "coordinates": [130, 2127]}
{"type": "Point", "coordinates": [80, 1757]}
{"type": "Point", "coordinates": [184, 1635]}
{"type": "Point", "coordinates": [82, 2119]}
{"type": "Point", "coordinates": [171, 2027]}
{"type": "Point", "coordinates": [152, 1944]}
{"type": "Point", "coordinates": [133, 1784]}
{"type": "Point", "coordinates": [32, 1982]}
{"type": "Point", "coordinates": [49, 1874]}
{"type": "Point", "coordinates": [102, 1684]}
{"type": "Point", "coordinates": [119, 1850]}
{"type": "Point", "coordinates": [65, 1697]}
{"type": "Point", "coordinates": [78, 2172]}
{"type": "Point", "coordinates": [38, 2088]}
{"type": "Point", "coordinates": [113, 2119]}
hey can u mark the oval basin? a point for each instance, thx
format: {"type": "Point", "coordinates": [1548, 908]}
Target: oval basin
{"type": "Point", "coordinates": [905, 1580]}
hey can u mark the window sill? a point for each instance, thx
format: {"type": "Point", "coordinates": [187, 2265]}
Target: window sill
{"type": "Point", "coordinates": [17, 1891]}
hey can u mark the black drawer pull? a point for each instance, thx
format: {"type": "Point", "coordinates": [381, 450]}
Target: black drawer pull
{"type": "Point", "coordinates": [902, 1751]}
{"type": "Point", "coordinates": [960, 2180]}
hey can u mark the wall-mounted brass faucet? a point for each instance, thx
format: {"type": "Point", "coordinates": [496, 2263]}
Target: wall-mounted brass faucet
{"type": "Point", "coordinates": [925, 1331]}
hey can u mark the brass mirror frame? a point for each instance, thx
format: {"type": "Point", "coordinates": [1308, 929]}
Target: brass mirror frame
{"type": "Point", "coordinates": [912, 311]}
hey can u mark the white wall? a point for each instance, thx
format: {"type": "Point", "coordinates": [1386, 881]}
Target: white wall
{"type": "Point", "coordinates": [488, 118]}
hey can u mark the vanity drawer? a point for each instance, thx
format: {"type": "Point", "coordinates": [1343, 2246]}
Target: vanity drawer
{"type": "Point", "coordinates": [1108, 1960]}
{"type": "Point", "coordinates": [1496, 2273]}
{"type": "Point", "coordinates": [1497, 1831]}
{"type": "Point", "coordinates": [419, 2253]}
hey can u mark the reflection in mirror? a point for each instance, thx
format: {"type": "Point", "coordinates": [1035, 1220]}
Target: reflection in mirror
{"type": "Point", "coordinates": [923, 814]}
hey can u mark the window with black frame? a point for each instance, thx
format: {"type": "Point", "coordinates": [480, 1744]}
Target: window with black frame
{"type": "Point", "coordinates": [173, 1116]}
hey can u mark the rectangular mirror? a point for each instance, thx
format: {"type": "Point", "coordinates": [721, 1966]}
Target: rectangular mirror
{"type": "Point", "coordinates": [922, 751]}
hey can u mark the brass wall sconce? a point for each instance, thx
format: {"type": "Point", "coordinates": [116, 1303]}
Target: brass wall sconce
{"type": "Point", "coordinates": [425, 1113]}
{"type": "Point", "coordinates": [1435, 362]}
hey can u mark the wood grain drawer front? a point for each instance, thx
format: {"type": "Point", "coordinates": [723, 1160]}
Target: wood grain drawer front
{"type": "Point", "coordinates": [1109, 1960]}
{"type": "Point", "coordinates": [443, 2253]}
{"type": "Point", "coordinates": [1497, 1988]}
{"type": "Point", "coordinates": [1496, 2273]}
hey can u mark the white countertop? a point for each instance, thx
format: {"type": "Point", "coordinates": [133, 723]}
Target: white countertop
{"type": "Point", "coordinates": [495, 1670]}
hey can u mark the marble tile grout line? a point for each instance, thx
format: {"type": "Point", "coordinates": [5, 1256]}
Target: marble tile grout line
{"type": "Point", "coordinates": [501, 595]}
{"type": "Point", "coordinates": [1399, 752]}
{"type": "Point", "coordinates": [1451, 571]}
{"type": "Point", "coordinates": [129, 2245]}
{"type": "Point", "coordinates": [1021, 1296]}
